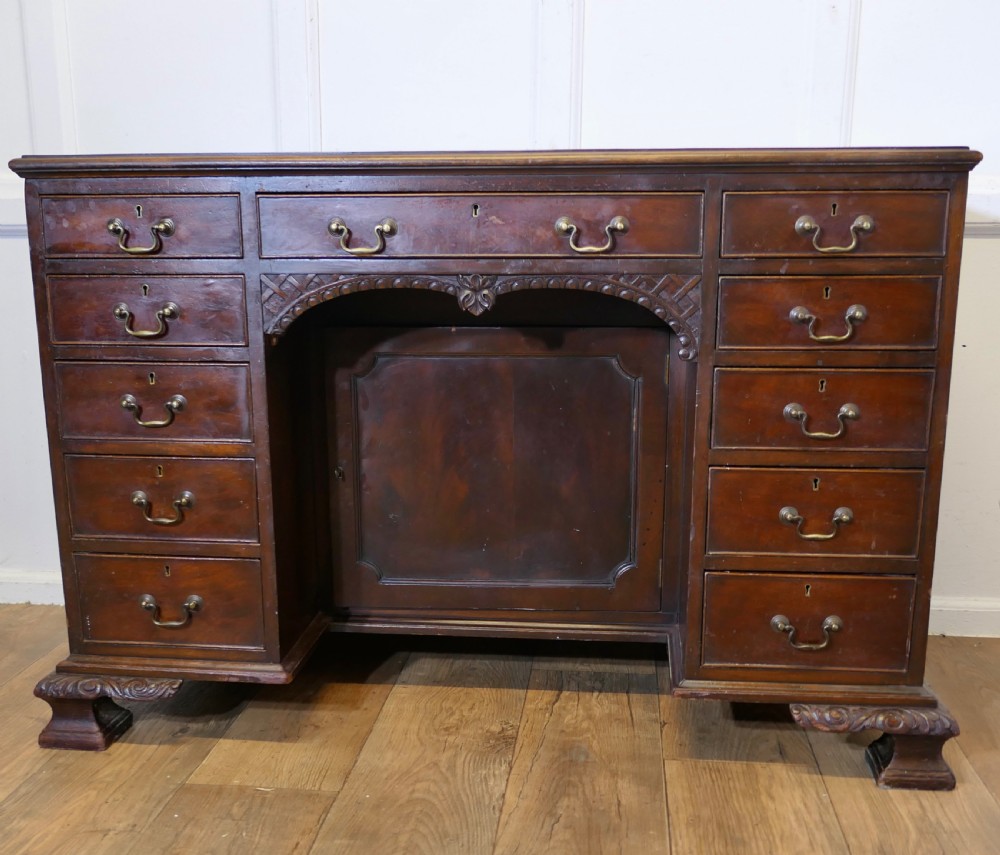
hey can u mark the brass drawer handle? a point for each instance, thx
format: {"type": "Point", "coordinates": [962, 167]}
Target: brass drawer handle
{"type": "Point", "coordinates": [190, 606]}
{"type": "Point", "coordinates": [806, 226]}
{"type": "Point", "coordinates": [779, 623]}
{"type": "Point", "coordinates": [181, 503]}
{"type": "Point", "coordinates": [160, 229]}
{"type": "Point", "coordinates": [173, 405]}
{"type": "Point", "coordinates": [387, 228]}
{"type": "Point", "coordinates": [169, 310]}
{"type": "Point", "coordinates": [854, 315]}
{"type": "Point", "coordinates": [791, 516]}
{"type": "Point", "coordinates": [797, 413]}
{"type": "Point", "coordinates": [565, 226]}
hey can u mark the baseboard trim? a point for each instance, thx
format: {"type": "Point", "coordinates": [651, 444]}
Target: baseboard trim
{"type": "Point", "coordinates": [30, 586]}
{"type": "Point", "coordinates": [965, 616]}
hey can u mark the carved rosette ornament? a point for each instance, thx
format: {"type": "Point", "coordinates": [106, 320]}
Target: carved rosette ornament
{"type": "Point", "coordinates": [674, 299]}
{"type": "Point", "coordinates": [907, 755]}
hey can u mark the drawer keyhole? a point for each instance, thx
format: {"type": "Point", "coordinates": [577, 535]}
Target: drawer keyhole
{"type": "Point", "coordinates": [475, 210]}
{"type": "Point", "coordinates": [159, 471]}
{"type": "Point", "coordinates": [166, 569]}
{"type": "Point", "coordinates": [809, 590]}
{"type": "Point", "coordinates": [826, 293]}
{"type": "Point", "coordinates": [833, 210]}
{"type": "Point", "coordinates": [822, 385]}
{"type": "Point", "coordinates": [145, 290]}
{"type": "Point", "coordinates": [138, 211]}
{"type": "Point", "coordinates": [815, 485]}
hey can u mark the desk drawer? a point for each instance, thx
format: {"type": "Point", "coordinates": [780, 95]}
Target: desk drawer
{"type": "Point", "coordinates": [841, 409]}
{"type": "Point", "coordinates": [874, 615]}
{"type": "Point", "coordinates": [228, 613]}
{"type": "Point", "coordinates": [103, 502]}
{"type": "Point", "coordinates": [881, 511]}
{"type": "Point", "coordinates": [766, 224]}
{"type": "Point", "coordinates": [198, 227]}
{"type": "Point", "coordinates": [816, 312]}
{"type": "Point", "coordinates": [154, 400]}
{"type": "Point", "coordinates": [133, 310]}
{"type": "Point", "coordinates": [659, 224]}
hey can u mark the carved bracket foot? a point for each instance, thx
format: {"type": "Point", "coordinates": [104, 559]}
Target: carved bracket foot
{"type": "Point", "coordinates": [907, 755]}
{"type": "Point", "coordinates": [85, 716]}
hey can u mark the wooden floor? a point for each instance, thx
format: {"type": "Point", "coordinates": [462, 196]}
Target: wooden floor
{"type": "Point", "coordinates": [386, 746]}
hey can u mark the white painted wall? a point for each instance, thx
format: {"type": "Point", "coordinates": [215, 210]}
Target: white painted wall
{"type": "Point", "coordinates": [340, 75]}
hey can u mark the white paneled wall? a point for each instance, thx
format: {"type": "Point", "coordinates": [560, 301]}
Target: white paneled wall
{"type": "Point", "coordinates": [341, 75]}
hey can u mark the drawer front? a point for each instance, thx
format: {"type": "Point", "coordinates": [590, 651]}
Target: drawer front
{"type": "Point", "coordinates": [761, 225]}
{"type": "Point", "coordinates": [154, 400]}
{"type": "Point", "coordinates": [882, 511]}
{"type": "Point", "coordinates": [844, 312]}
{"type": "Point", "coordinates": [755, 409]}
{"type": "Point", "coordinates": [200, 226]}
{"type": "Point", "coordinates": [229, 611]}
{"type": "Point", "coordinates": [102, 499]}
{"type": "Point", "coordinates": [659, 224]}
{"type": "Point", "coordinates": [133, 310]}
{"type": "Point", "coordinates": [874, 613]}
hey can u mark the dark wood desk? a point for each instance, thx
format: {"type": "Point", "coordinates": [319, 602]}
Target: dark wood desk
{"type": "Point", "coordinates": [694, 398]}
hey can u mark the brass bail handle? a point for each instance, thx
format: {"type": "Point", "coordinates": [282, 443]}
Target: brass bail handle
{"type": "Point", "coordinates": [806, 225]}
{"type": "Point", "coordinates": [167, 311]}
{"type": "Point", "coordinates": [855, 314]}
{"type": "Point", "coordinates": [184, 501]}
{"type": "Point", "coordinates": [173, 405]}
{"type": "Point", "coordinates": [191, 605]}
{"type": "Point", "coordinates": [160, 229]}
{"type": "Point", "coordinates": [794, 412]}
{"type": "Point", "coordinates": [618, 225]}
{"type": "Point", "coordinates": [387, 228]}
{"type": "Point", "coordinates": [831, 624]}
{"type": "Point", "coordinates": [790, 516]}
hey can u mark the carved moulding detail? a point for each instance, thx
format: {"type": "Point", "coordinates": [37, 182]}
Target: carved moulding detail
{"type": "Point", "coordinates": [90, 687]}
{"type": "Point", "coordinates": [674, 299]}
{"type": "Point", "coordinates": [932, 721]}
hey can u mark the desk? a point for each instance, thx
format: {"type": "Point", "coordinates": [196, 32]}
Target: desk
{"type": "Point", "coordinates": [685, 397]}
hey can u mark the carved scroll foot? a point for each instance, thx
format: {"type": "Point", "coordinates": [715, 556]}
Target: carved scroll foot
{"type": "Point", "coordinates": [907, 755]}
{"type": "Point", "coordinates": [85, 716]}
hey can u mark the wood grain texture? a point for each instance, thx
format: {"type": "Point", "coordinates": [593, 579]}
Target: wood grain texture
{"type": "Point", "coordinates": [26, 634]}
{"type": "Point", "coordinates": [963, 821]}
{"type": "Point", "coordinates": [234, 820]}
{"type": "Point", "coordinates": [586, 776]}
{"type": "Point", "coordinates": [432, 775]}
{"type": "Point", "coordinates": [307, 736]}
{"type": "Point", "coordinates": [105, 794]}
{"type": "Point", "coordinates": [967, 672]}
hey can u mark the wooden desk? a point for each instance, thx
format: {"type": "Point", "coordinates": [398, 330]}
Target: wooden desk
{"type": "Point", "coordinates": [694, 398]}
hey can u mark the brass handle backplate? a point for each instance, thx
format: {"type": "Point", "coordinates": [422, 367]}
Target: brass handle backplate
{"type": "Point", "coordinates": [791, 516]}
{"type": "Point", "coordinates": [183, 502]}
{"type": "Point", "coordinates": [831, 624]}
{"type": "Point", "coordinates": [619, 225]}
{"type": "Point", "coordinates": [174, 404]}
{"type": "Point", "coordinates": [191, 605]}
{"type": "Point", "coordinates": [854, 315]}
{"type": "Point", "coordinates": [169, 310]}
{"type": "Point", "coordinates": [387, 228]}
{"type": "Point", "coordinates": [806, 226]}
{"type": "Point", "coordinates": [797, 413]}
{"type": "Point", "coordinates": [159, 230]}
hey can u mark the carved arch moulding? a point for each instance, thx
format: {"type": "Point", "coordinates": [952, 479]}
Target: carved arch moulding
{"type": "Point", "coordinates": [674, 299]}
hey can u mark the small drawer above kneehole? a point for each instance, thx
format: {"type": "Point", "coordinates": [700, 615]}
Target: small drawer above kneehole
{"type": "Point", "coordinates": [158, 311]}
{"type": "Point", "coordinates": [154, 400]}
{"type": "Point", "coordinates": [489, 224]}
{"type": "Point", "coordinates": [169, 226]}
{"type": "Point", "coordinates": [838, 312]}
{"type": "Point", "coordinates": [169, 601]}
{"type": "Point", "coordinates": [834, 224]}
{"type": "Point", "coordinates": [815, 623]}
{"type": "Point", "coordinates": [823, 411]}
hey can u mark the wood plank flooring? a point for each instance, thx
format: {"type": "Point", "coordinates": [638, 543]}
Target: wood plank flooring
{"type": "Point", "coordinates": [409, 746]}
